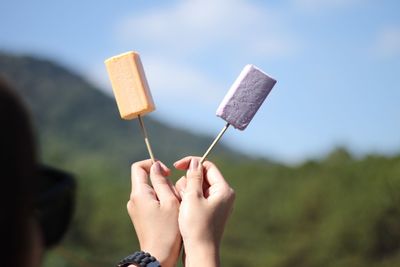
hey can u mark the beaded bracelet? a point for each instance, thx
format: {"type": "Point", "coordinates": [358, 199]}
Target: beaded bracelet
{"type": "Point", "coordinates": [140, 259]}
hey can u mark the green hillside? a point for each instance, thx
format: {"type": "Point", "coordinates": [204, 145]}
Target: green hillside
{"type": "Point", "coordinates": [335, 211]}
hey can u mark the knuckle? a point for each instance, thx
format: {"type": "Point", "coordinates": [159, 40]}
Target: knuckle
{"type": "Point", "coordinates": [134, 167]}
{"type": "Point", "coordinates": [195, 172]}
{"type": "Point", "coordinates": [232, 193]}
{"type": "Point", "coordinates": [130, 206]}
{"type": "Point", "coordinates": [171, 202]}
{"type": "Point", "coordinates": [196, 176]}
{"type": "Point", "coordinates": [158, 179]}
{"type": "Point", "coordinates": [229, 194]}
{"type": "Point", "coordinates": [134, 196]}
{"type": "Point", "coordinates": [193, 194]}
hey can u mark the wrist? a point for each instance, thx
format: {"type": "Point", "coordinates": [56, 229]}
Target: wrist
{"type": "Point", "coordinates": [202, 255]}
{"type": "Point", "coordinates": [164, 257]}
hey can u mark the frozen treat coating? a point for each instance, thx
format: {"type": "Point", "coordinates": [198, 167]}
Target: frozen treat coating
{"type": "Point", "coordinates": [129, 84]}
{"type": "Point", "coordinates": [245, 97]}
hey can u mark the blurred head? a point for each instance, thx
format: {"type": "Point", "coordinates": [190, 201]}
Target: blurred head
{"type": "Point", "coordinates": [36, 201]}
{"type": "Point", "coordinates": [18, 166]}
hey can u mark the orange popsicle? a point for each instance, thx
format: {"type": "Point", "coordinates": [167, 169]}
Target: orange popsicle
{"type": "Point", "coordinates": [130, 89]}
{"type": "Point", "coordinates": [129, 84]}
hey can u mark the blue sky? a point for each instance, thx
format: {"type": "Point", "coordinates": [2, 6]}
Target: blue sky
{"type": "Point", "coordinates": [337, 63]}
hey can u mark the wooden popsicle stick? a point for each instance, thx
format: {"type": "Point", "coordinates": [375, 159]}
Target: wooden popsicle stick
{"type": "Point", "coordinates": [214, 142]}
{"type": "Point", "coordinates": [146, 138]}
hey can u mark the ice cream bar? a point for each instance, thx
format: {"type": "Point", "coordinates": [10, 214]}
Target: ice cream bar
{"type": "Point", "coordinates": [242, 101]}
{"type": "Point", "coordinates": [129, 85]}
{"type": "Point", "coordinates": [131, 89]}
{"type": "Point", "coordinates": [245, 97]}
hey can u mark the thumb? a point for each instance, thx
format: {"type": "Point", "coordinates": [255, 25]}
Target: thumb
{"type": "Point", "coordinates": [194, 177]}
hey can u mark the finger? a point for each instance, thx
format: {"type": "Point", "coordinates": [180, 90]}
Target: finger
{"type": "Point", "coordinates": [174, 190]}
{"type": "Point", "coordinates": [165, 170]}
{"type": "Point", "coordinates": [180, 186]}
{"type": "Point", "coordinates": [212, 174]}
{"type": "Point", "coordinates": [140, 180]}
{"type": "Point", "coordinates": [219, 187]}
{"type": "Point", "coordinates": [139, 173]}
{"type": "Point", "coordinates": [183, 164]}
{"type": "Point", "coordinates": [194, 176]}
{"type": "Point", "coordinates": [146, 165]}
{"type": "Point", "coordinates": [162, 186]}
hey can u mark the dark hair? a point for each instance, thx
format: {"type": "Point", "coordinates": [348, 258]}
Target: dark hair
{"type": "Point", "coordinates": [18, 169]}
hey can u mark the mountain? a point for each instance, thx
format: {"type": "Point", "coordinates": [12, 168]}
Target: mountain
{"type": "Point", "coordinates": [71, 114]}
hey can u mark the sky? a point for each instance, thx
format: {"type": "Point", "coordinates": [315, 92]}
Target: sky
{"type": "Point", "coordinates": [337, 63]}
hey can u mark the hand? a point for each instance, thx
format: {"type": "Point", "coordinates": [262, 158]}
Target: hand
{"type": "Point", "coordinates": [207, 201]}
{"type": "Point", "coordinates": [154, 212]}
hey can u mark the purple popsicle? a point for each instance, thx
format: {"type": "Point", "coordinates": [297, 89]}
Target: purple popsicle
{"type": "Point", "coordinates": [243, 100]}
{"type": "Point", "coordinates": [245, 97]}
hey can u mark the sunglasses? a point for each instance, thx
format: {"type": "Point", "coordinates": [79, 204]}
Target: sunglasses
{"type": "Point", "coordinates": [55, 204]}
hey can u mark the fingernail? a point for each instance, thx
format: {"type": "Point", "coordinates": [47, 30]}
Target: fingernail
{"type": "Point", "coordinates": [181, 193]}
{"type": "Point", "coordinates": [156, 167]}
{"type": "Point", "coordinates": [164, 167]}
{"type": "Point", "coordinates": [194, 163]}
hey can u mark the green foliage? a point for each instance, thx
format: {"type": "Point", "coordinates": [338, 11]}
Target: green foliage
{"type": "Point", "coordinates": [317, 214]}
{"type": "Point", "coordinates": [339, 211]}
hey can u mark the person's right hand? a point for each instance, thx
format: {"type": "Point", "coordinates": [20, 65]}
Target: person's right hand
{"type": "Point", "coordinates": [154, 211]}
{"type": "Point", "coordinates": [207, 201]}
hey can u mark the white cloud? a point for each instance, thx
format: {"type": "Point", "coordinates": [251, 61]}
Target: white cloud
{"type": "Point", "coordinates": [169, 37]}
{"type": "Point", "coordinates": [387, 44]}
{"type": "Point", "coordinates": [172, 80]}
{"type": "Point", "coordinates": [175, 40]}
{"type": "Point", "coordinates": [203, 24]}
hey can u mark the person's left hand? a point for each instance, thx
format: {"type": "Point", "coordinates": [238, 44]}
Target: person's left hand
{"type": "Point", "coordinates": [154, 211]}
